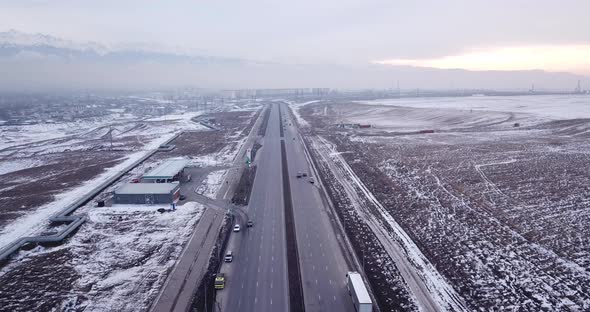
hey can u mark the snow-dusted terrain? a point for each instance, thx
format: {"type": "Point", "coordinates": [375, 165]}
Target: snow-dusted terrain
{"type": "Point", "coordinates": [118, 259]}
{"type": "Point", "coordinates": [211, 184]}
{"type": "Point", "coordinates": [34, 221]}
{"type": "Point", "coordinates": [499, 209]}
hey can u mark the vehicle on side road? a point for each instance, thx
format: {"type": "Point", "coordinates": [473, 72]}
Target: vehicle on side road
{"type": "Point", "coordinates": [358, 292]}
{"type": "Point", "coordinates": [236, 228]}
{"type": "Point", "coordinates": [182, 197]}
{"type": "Point", "coordinates": [220, 281]}
{"type": "Point", "coordinates": [250, 223]}
{"type": "Point", "coordinates": [229, 256]}
{"type": "Point", "coordinates": [311, 180]}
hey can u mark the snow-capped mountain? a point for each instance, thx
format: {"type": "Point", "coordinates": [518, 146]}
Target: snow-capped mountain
{"type": "Point", "coordinates": [14, 38]}
{"type": "Point", "coordinates": [16, 44]}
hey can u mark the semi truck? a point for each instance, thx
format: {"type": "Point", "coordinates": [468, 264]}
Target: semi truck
{"type": "Point", "coordinates": [358, 292]}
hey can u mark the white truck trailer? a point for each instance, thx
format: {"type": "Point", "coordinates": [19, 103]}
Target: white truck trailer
{"type": "Point", "coordinates": [358, 292]}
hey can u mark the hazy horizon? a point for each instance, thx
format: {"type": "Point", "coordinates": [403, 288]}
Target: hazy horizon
{"type": "Point", "coordinates": [345, 44]}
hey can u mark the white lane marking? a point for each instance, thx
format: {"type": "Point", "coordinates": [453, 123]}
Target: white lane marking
{"type": "Point", "coordinates": [255, 299]}
{"type": "Point", "coordinates": [326, 268]}
{"type": "Point", "coordinates": [270, 301]}
{"type": "Point", "coordinates": [334, 298]}
{"type": "Point", "coordinates": [316, 281]}
{"type": "Point", "coordinates": [258, 269]}
{"type": "Point", "coordinates": [330, 282]}
{"type": "Point", "coordinates": [319, 298]}
{"type": "Point", "coordinates": [270, 284]}
{"type": "Point", "coordinates": [257, 284]}
{"type": "Point", "coordinates": [242, 284]}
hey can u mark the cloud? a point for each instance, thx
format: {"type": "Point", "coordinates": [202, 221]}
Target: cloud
{"type": "Point", "coordinates": [555, 58]}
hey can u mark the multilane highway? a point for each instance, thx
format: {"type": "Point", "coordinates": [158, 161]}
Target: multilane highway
{"type": "Point", "coordinates": [257, 279]}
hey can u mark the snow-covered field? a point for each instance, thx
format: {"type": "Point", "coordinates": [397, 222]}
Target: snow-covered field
{"type": "Point", "coordinates": [553, 107]}
{"type": "Point", "coordinates": [212, 183]}
{"type": "Point", "coordinates": [295, 107]}
{"type": "Point", "coordinates": [90, 134]}
{"type": "Point", "coordinates": [34, 221]}
{"type": "Point", "coordinates": [124, 253]}
{"type": "Point", "coordinates": [500, 211]}
{"type": "Point", "coordinates": [447, 114]}
{"type": "Point", "coordinates": [120, 257]}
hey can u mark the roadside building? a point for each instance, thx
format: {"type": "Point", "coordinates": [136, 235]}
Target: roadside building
{"type": "Point", "coordinates": [169, 171]}
{"type": "Point", "coordinates": [147, 193]}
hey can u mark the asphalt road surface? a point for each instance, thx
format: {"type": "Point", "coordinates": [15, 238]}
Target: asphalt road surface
{"type": "Point", "coordinates": [257, 278]}
{"type": "Point", "coordinates": [321, 259]}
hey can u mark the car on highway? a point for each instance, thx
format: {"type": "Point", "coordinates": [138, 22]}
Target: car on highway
{"type": "Point", "coordinates": [236, 228]}
{"type": "Point", "coordinates": [311, 180]}
{"type": "Point", "coordinates": [229, 256]}
{"type": "Point", "coordinates": [250, 223]}
{"type": "Point", "coordinates": [220, 281]}
{"type": "Point", "coordinates": [182, 197]}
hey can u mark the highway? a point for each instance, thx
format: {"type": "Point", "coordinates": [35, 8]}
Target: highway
{"type": "Point", "coordinates": [322, 261]}
{"type": "Point", "coordinates": [181, 285]}
{"type": "Point", "coordinates": [257, 279]}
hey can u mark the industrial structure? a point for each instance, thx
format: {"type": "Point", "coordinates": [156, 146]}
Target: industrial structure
{"type": "Point", "coordinates": [169, 171]}
{"type": "Point", "coordinates": [147, 193]}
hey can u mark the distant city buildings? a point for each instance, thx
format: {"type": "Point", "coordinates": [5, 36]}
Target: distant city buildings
{"type": "Point", "coordinates": [254, 93]}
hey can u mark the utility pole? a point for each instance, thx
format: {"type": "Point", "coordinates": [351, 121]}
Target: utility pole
{"type": "Point", "coordinates": [111, 136]}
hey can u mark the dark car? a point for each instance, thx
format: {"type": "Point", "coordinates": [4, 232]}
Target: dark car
{"type": "Point", "coordinates": [250, 223]}
{"type": "Point", "coordinates": [182, 197]}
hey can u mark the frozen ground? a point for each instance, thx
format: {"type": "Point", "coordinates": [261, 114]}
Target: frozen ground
{"type": "Point", "coordinates": [211, 184]}
{"type": "Point", "coordinates": [295, 107]}
{"type": "Point", "coordinates": [553, 107]}
{"type": "Point", "coordinates": [32, 217]}
{"type": "Point", "coordinates": [119, 259]}
{"type": "Point", "coordinates": [501, 212]}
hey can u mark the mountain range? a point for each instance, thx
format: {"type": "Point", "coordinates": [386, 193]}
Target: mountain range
{"type": "Point", "coordinates": [39, 61]}
{"type": "Point", "coordinates": [19, 45]}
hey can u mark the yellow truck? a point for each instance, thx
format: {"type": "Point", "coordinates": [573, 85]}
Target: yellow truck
{"type": "Point", "coordinates": [220, 281]}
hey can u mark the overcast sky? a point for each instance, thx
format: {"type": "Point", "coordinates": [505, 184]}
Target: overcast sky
{"type": "Point", "coordinates": [470, 34]}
